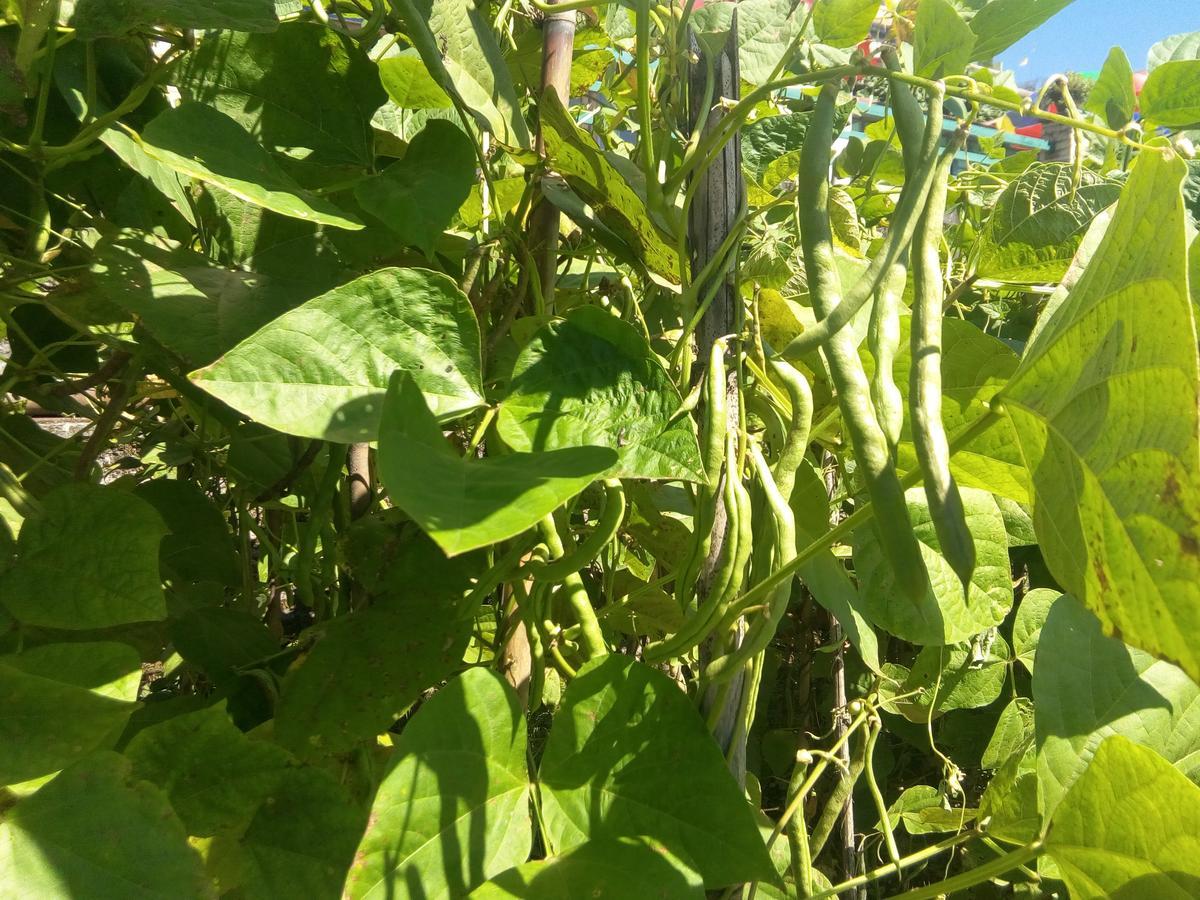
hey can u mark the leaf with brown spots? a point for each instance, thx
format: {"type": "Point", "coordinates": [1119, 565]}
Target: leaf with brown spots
{"type": "Point", "coordinates": [1105, 410]}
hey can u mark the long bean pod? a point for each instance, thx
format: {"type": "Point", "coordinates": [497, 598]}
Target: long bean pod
{"type": "Point", "coordinates": [589, 548]}
{"type": "Point", "coordinates": [716, 415]}
{"type": "Point", "coordinates": [574, 591]}
{"type": "Point", "coordinates": [925, 381]}
{"type": "Point", "coordinates": [763, 629]}
{"type": "Point", "coordinates": [883, 336]}
{"type": "Point", "coordinates": [795, 445]}
{"type": "Point", "coordinates": [712, 435]}
{"type": "Point", "coordinates": [905, 220]}
{"type": "Point", "coordinates": [726, 580]}
{"type": "Point", "coordinates": [883, 340]}
{"type": "Point", "coordinates": [846, 369]}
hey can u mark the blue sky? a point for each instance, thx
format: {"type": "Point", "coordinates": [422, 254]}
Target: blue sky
{"type": "Point", "coordinates": [1080, 36]}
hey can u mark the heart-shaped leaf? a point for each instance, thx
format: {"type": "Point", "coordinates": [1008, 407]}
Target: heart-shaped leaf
{"type": "Point", "coordinates": [465, 504]}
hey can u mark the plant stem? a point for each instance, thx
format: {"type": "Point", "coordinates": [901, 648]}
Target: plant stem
{"type": "Point", "coordinates": [877, 795]}
{"type": "Point", "coordinates": [817, 770]}
{"type": "Point", "coordinates": [900, 865]}
{"type": "Point", "coordinates": [645, 112]}
{"type": "Point", "coordinates": [977, 875]}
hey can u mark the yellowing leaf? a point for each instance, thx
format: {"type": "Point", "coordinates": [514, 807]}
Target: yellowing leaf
{"type": "Point", "coordinates": [1105, 413]}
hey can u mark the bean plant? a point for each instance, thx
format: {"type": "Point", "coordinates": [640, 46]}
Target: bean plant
{"type": "Point", "coordinates": [649, 448]}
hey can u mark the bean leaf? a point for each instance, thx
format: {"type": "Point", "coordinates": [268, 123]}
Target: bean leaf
{"type": "Point", "coordinates": [945, 615]}
{"type": "Point", "coordinates": [97, 831]}
{"type": "Point", "coordinates": [592, 380]}
{"type": "Point", "coordinates": [1088, 686]}
{"type": "Point", "coordinates": [88, 559]}
{"type": "Point", "coordinates": [321, 369]}
{"type": "Point", "coordinates": [1104, 405]}
{"type": "Point", "coordinates": [454, 809]}
{"type": "Point", "coordinates": [419, 195]}
{"type": "Point", "coordinates": [464, 504]}
{"type": "Point", "coordinates": [58, 702]}
{"type": "Point", "coordinates": [602, 869]}
{"type": "Point", "coordinates": [203, 143]}
{"type": "Point", "coordinates": [1129, 827]}
{"type": "Point", "coordinates": [628, 755]}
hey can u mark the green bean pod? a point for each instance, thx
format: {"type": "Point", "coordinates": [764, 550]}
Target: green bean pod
{"type": "Point", "coordinates": [716, 413]}
{"type": "Point", "coordinates": [795, 445]}
{"type": "Point", "coordinates": [721, 577]}
{"type": "Point", "coordinates": [903, 228]}
{"type": "Point", "coordinates": [712, 438]}
{"type": "Point", "coordinates": [875, 465]}
{"type": "Point", "coordinates": [762, 630]}
{"type": "Point", "coordinates": [883, 336]}
{"type": "Point", "coordinates": [726, 580]}
{"type": "Point", "coordinates": [925, 382]}
{"type": "Point", "coordinates": [589, 548]}
{"type": "Point", "coordinates": [883, 340]}
{"type": "Point", "coordinates": [574, 592]}
{"type": "Point", "coordinates": [907, 114]}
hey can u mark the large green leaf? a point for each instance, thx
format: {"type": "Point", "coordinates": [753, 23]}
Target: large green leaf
{"type": "Point", "coordinates": [942, 41]}
{"type": "Point", "coordinates": [456, 41]}
{"type": "Point", "coordinates": [1013, 734]}
{"type": "Point", "coordinates": [409, 84]}
{"type": "Point", "coordinates": [768, 140]}
{"type": "Point", "coordinates": [365, 671]}
{"type": "Point", "coordinates": [321, 370]}
{"type": "Point", "coordinates": [217, 640]}
{"type": "Point", "coordinates": [1104, 405]}
{"type": "Point", "coordinates": [614, 188]}
{"type": "Point", "coordinates": [1171, 95]}
{"type": "Point", "coordinates": [963, 676]}
{"type": "Point", "coordinates": [58, 702]}
{"type": "Point", "coordinates": [975, 368]}
{"type": "Point", "coordinates": [1009, 804]}
{"type": "Point", "coordinates": [1177, 46]}
{"type": "Point", "coordinates": [602, 869]}
{"type": "Point", "coordinates": [187, 304]}
{"type": "Point", "coordinates": [1112, 96]}
{"type": "Point", "coordinates": [1087, 686]}
{"type": "Point", "coordinates": [945, 615]}
{"type": "Point", "coordinates": [419, 195]}
{"type": "Point", "coordinates": [766, 28]}
{"type": "Point", "coordinates": [1129, 828]}
{"type": "Point", "coordinates": [298, 253]}
{"type": "Point", "coordinates": [843, 23]}
{"type": "Point", "coordinates": [1001, 23]}
{"type": "Point", "coordinates": [464, 504]}
{"type": "Point", "coordinates": [300, 842]}
{"type": "Point", "coordinates": [302, 91]}
{"type": "Point", "coordinates": [1038, 223]}
{"type": "Point", "coordinates": [87, 559]}
{"type": "Point", "coordinates": [103, 18]}
{"type": "Point", "coordinates": [71, 76]}
{"type": "Point", "coordinates": [454, 810]}
{"type": "Point", "coordinates": [1031, 618]}
{"type": "Point", "coordinates": [95, 831]}
{"type": "Point", "coordinates": [923, 809]}
{"type": "Point", "coordinates": [629, 756]}
{"type": "Point", "coordinates": [395, 561]}
{"type": "Point", "coordinates": [214, 776]}
{"type": "Point", "coordinates": [199, 546]}
{"type": "Point", "coordinates": [592, 380]}
{"type": "Point", "coordinates": [203, 143]}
